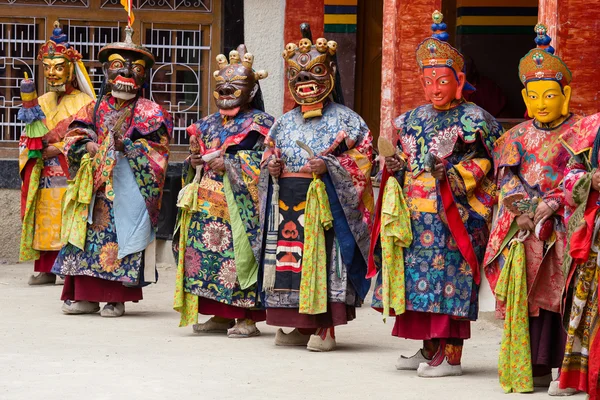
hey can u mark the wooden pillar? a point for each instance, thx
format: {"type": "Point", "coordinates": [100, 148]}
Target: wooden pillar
{"type": "Point", "coordinates": [548, 15]}
{"type": "Point", "coordinates": [406, 23]}
{"type": "Point", "coordinates": [574, 31]}
{"type": "Point", "coordinates": [297, 12]}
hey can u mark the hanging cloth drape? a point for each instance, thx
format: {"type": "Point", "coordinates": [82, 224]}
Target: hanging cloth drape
{"type": "Point", "coordinates": [395, 235]}
{"type": "Point", "coordinates": [317, 219]}
{"type": "Point", "coordinates": [514, 361]}
{"type": "Point", "coordinates": [270, 256]}
{"type": "Point", "coordinates": [26, 250]}
{"type": "Point", "coordinates": [188, 202]}
{"type": "Point", "coordinates": [76, 204]}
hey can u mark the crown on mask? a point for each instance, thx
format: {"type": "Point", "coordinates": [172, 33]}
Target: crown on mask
{"type": "Point", "coordinates": [305, 45]}
{"type": "Point", "coordinates": [58, 46]}
{"type": "Point", "coordinates": [237, 57]}
{"type": "Point", "coordinates": [541, 63]}
{"type": "Point", "coordinates": [435, 52]}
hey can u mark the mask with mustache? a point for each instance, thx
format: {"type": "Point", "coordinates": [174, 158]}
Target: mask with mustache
{"type": "Point", "coordinates": [125, 74]}
{"type": "Point", "coordinates": [237, 83]}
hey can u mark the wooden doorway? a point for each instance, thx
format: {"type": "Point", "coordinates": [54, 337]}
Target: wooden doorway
{"type": "Point", "coordinates": [367, 94]}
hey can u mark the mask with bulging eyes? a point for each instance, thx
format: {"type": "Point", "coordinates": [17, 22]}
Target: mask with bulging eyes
{"type": "Point", "coordinates": [237, 82]}
{"type": "Point", "coordinates": [125, 74]}
{"type": "Point", "coordinates": [310, 70]}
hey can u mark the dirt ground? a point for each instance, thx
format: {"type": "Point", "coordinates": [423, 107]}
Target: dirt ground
{"type": "Point", "coordinates": [145, 355]}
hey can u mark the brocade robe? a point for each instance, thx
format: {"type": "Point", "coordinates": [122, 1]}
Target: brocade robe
{"type": "Point", "coordinates": [438, 277]}
{"type": "Point", "coordinates": [341, 138]}
{"type": "Point", "coordinates": [581, 364]}
{"type": "Point", "coordinates": [531, 162]}
{"type": "Point", "coordinates": [221, 250]}
{"type": "Point", "coordinates": [45, 231]}
{"type": "Point", "coordinates": [128, 188]}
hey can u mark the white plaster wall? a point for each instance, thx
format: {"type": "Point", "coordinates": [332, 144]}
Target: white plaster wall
{"type": "Point", "coordinates": [263, 32]}
{"type": "Point", "coordinates": [487, 301]}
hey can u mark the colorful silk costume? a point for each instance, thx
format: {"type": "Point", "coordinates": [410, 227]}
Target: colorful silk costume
{"type": "Point", "coordinates": [449, 217]}
{"type": "Point", "coordinates": [581, 365]}
{"type": "Point", "coordinates": [127, 187]}
{"type": "Point", "coordinates": [531, 160]}
{"type": "Point", "coordinates": [341, 138]}
{"type": "Point", "coordinates": [45, 180]}
{"type": "Point", "coordinates": [439, 280]}
{"type": "Point", "coordinates": [217, 236]}
{"type": "Point", "coordinates": [219, 260]}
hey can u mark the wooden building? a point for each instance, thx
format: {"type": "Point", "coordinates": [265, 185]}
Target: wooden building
{"type": "Point", "coordinates": [184, 36]}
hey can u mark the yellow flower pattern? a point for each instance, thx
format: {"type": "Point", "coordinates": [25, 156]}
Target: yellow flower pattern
{"type": "Point", "coordinates": [76, 205]}
{"type": "Point", "coordinates": [396, 234]}
{"type": "Point", "coordinates": [514, 361]}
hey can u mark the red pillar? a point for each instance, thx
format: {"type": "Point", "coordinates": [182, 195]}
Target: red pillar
{"type": "Point", "coordinates": [574, 31]}
{"type": "Point", "coordinates": [297, 12]}
{"type": "Point", "coordinates": [406, 23]}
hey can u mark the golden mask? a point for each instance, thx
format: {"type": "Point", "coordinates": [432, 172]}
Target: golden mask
{"type": "Point", "coordinates": [545, 100]}
{"type": "Point", "coordinates": [58, 72]}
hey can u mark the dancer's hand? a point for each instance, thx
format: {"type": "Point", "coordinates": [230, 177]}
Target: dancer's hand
{"type": "Point", "coordinates": [217, 165]}
{"type": "Point", "coordinates": [119, 145]}
{"type": "Point", "coordinates": [49, 152]}
{"type": "Point", "coordinates": [439, 171]}
{"type": "Point", "coordinates": [92, 148]}
{"type": "Point", "coordinates": [525, 222]}
{"type": "Point", "coordinates": [317, 166]}
{"type": "Point", "coordinates": [196, 160]}
{"type": "Point", "coordinates": [542, 212]}
{"type": "Point", "coordinates": [394, 163]}
{"type": "Point", "coordinates": [274, 167]}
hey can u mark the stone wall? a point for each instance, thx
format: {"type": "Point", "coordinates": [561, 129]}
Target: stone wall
{"type": "Point", "coordinates": [10, 224]}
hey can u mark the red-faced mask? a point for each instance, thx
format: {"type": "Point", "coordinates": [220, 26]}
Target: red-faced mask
{"type": "Point", "coordinates": [441, 86]}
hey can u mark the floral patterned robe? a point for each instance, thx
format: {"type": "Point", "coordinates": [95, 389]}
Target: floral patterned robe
{"type": "Point", "coordinates": [438, 277]}
{"type": "Point", "coordinates": [531, 161]}
{"type": "Point", "coordinates": [210, 267]}
{"type": "Point", "coordinates": [146, 135]}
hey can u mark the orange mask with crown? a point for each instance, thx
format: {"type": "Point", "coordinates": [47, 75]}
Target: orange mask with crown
{"type": "Point", "coordinates": [441, 66]}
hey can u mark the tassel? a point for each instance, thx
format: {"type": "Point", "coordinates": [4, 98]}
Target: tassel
{"type": "Point", "coordinates": [269, 273]}
{"type": "Point", "coordinates": [35, 132]}
{"type": "Point", "coordinates": [29, 115]}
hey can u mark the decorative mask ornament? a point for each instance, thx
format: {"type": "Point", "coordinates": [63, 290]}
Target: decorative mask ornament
{"type": "Point", "coordinates": [311, 73]}
{"type": "Point", "coordinates": [58, 59]}
{"type": "Point", "coordinates": [237, 82]}
{"type": "Point", "coordinates": [442, 67]}
{"type": "Point", "coordinates": [546, 78]}
{"type": "Point", "coordinates": [125, 66]}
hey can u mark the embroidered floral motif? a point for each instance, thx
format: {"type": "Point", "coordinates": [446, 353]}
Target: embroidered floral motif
{"type": "Point", "coordinates": [227, 275]}
{"type": "Point", "coordinates": [109, 260]}
{"type": "Point", "coordinates": [216, 237]}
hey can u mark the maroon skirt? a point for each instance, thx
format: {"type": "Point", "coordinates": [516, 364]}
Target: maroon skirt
{"type": "Point", "coordinates": [45, 262]}
{"type": "Point", "coordinates": [212, 307]}
{"type": "Point", "coordinates": [337, 314]}
{"type": "Point", "coordinates": [426, 326]}
{"type": "Point", "coordinates": [87, 288]}
{"type": "Point", "coordinates": [548, 340]}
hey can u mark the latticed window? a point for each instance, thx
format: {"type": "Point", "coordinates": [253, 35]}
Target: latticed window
{"type": "Point", "coordinates": [19, 43]}
{"type": "Point", "coordinates": [184, 36]}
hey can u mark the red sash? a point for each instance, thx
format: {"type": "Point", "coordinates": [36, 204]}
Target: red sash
{"type": "Point", "coordinates": [457, 227]}
{"type": "Point", "coordinates": [371, 267]}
